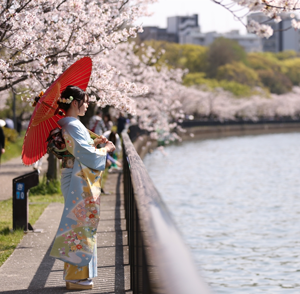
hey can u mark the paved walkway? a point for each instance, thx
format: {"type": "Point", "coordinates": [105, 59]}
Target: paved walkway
{"type": "Point", "coordinates": [12, 169]}
{"type": "Point", "coordinates": [30, 269]}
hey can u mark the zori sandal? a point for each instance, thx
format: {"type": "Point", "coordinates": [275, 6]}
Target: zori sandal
{"type": "Point", "coordinates": [79, 284]}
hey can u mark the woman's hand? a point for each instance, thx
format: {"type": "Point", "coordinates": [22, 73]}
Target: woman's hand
{"type": "Point", "coordinates": [110, 147]}
{"type": "Point", "coordinates": [100, 140]}
{"type": "Point", "coordinates": [3, 150]}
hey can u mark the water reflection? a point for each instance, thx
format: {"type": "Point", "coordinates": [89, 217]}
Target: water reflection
{"type": "Point", "coordinates": [237, 203]}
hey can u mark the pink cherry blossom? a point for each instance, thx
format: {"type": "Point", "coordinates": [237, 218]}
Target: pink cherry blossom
{"type": "Point", "coordinates": [41, 38]}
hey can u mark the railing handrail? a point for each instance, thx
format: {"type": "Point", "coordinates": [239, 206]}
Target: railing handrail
{"type": "Point", "coordinates": [176, 272]}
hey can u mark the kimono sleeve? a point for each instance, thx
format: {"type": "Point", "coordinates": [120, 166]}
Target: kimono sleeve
{"type": "Point", "coordinates": [77, 145]}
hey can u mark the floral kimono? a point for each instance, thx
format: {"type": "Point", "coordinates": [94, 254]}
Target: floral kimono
{"type": "Point", "coordinates": [75, 241]}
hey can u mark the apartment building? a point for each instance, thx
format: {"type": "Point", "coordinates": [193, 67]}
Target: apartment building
{"type": "Point", "coordinates": [186, 30]}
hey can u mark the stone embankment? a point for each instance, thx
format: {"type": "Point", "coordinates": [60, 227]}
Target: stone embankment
{"type": "Point", "coordinates": [217, 131]}
{"type": "Point", "coordinates": [143, 144]}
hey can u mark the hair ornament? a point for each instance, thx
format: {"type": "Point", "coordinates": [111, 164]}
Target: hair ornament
{"type": "Point", "coordinates": [36, 99]}
{"type": "Point", "coordinates": [64, 100]}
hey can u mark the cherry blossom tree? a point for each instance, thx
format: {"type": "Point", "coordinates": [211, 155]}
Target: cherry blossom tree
{"type": "Point", "coordinates": [159, 110]}
{"type": "Point", "coordinates": [222, 105]}
{"type": "Point", "coordinates": [39, 39]}
{"type": "Point", "coordinates": [272, 9]}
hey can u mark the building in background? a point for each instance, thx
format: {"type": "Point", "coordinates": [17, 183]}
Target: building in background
{"type": "Point", "coordinates": [177, 26]}
{"type": "Point", "coordinates": [182, 26]}
{"type": "Point", "coordinates": [284, 37]}
{"type": "Point", "coordinates": [156, 33]}
{"type": "Point", "coordinates": [186, 30]}
{"type": "Point", "coordinates": [250, 42]}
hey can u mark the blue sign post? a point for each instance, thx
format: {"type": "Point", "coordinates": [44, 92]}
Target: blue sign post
{"type": "Point", "coordinates": [20, 191]}
{"type": "Point", "coordinates": [21, 186]}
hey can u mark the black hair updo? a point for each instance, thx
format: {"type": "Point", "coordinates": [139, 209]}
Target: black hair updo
{"type": "Point", "coordinates": [77, 94]}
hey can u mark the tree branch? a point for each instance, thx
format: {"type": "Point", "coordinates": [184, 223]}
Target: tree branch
{"type": "Point", "coordinates": [8, 86]}
{"type": "Point", "coordinates": [58, 6]}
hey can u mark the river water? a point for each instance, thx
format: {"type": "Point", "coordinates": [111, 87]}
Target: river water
{"type": "Point", "coordinates": [236, 201]}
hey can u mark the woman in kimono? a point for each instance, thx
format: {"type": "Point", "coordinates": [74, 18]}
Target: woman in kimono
{"type": "Point", "coordinates": [82, 166]}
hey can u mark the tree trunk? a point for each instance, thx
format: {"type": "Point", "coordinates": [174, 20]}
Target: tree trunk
{"type": "Point", "coordinates": [52, 173]}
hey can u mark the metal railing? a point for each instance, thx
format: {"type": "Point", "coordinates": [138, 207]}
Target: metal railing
{"type": "Point", "coordinates": [159, 260]}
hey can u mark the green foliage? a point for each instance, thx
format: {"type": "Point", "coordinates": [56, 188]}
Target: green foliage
{"type": "Point", "coordinates": [287, 54]}
{"type": "Point", "coordinates": [263, 61]}
{"type": "Point", "coordinates": [192, 57]}
{"type": "Point", "coordinates": [221, 52]}
{"type": "Point", "coordinates": [235, 88]}
{"type": "Point", "coordinates": [13, 144]}
{"type": "Point", "coordinates": [238, 72]}
{"type": "Point", "coordinates": [46, 187]}
{"type": "Point", "coordinates": [11, 135]}
{"type": "Point", "coordinates": [22, 107]}
{"type": "Point", "coordinates": [198, 78]}
{"type": "Point", "coordinates": [277, 71]}
{"type": "Point", "coordinates": [277, 82]}
{"type": "Point", "coordinates": [291, 68]}
{"type": "Point", "coordinates": [172, 54]}
{"type": "Point", "coordinates": [196, 57]}
{"type": "Point", "coordinates": [225, 64]}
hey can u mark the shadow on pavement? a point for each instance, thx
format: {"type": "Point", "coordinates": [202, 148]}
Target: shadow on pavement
{"type": "Point", "coordinates": [119, 272]}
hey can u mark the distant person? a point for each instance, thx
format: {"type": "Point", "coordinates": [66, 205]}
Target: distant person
{"type": "Point", "coordinates": [19, 126]}
{"type": "Point", "coordinates": [96, 124]}
{"type": "Point", "coordinates": [112, 158]}
{"type": "Point", "coordinates": [115, 138]}
{"type": "Point", "coordinates": [9, 123]}
{"type": "Point", "coordinates": [121, 123]}
{"type": "Point", "coordinates": [107, 122]}
{"type": "Point", "coordinates": [2, 123]}
{"type": "Point", "coordinates": [2, 140]}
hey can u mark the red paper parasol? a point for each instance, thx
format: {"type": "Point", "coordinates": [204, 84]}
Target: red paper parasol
{"type": "Point", "coordinates": [43, 119]}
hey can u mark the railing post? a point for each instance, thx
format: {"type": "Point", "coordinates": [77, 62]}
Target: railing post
{"type": "Point", "coordinates": [145, 273]}
{"type": "Point", "coordinates": [128, 208]}
{"type": "Point", "coordinates": [125, 186]}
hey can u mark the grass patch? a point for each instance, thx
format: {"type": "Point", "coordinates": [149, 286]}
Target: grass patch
{"type": "Point", "coordinates": [13, 149]}
{"type": "Point", "coordinates": [46, 187]}
{"type": "Point", "coordinates": [10, 239]}
{"type": "Point", "coordinates": [104, 177]}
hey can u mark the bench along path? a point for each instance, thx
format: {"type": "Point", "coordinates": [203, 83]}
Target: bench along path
{"type": "Point", "coordinates": [30, 269]}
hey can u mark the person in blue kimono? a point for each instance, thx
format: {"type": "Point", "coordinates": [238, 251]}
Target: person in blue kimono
{"type": "Point", "coordinates": [82, 166]}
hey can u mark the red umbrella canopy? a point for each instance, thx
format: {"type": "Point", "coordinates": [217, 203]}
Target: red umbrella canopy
{"type": "Point", "coordinates": [44, 119]}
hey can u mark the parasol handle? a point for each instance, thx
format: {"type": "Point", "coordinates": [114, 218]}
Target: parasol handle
{"type": "Point", "coordinates": [93, 134]}
{"type": "Point", "coordinates": [96, 136]}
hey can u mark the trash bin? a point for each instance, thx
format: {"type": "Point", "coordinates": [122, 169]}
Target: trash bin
{"type": "Point", "coordinates": [21, 186]}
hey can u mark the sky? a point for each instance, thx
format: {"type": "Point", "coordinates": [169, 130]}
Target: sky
{"type": "Point", "coordinates": [212, 17]}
